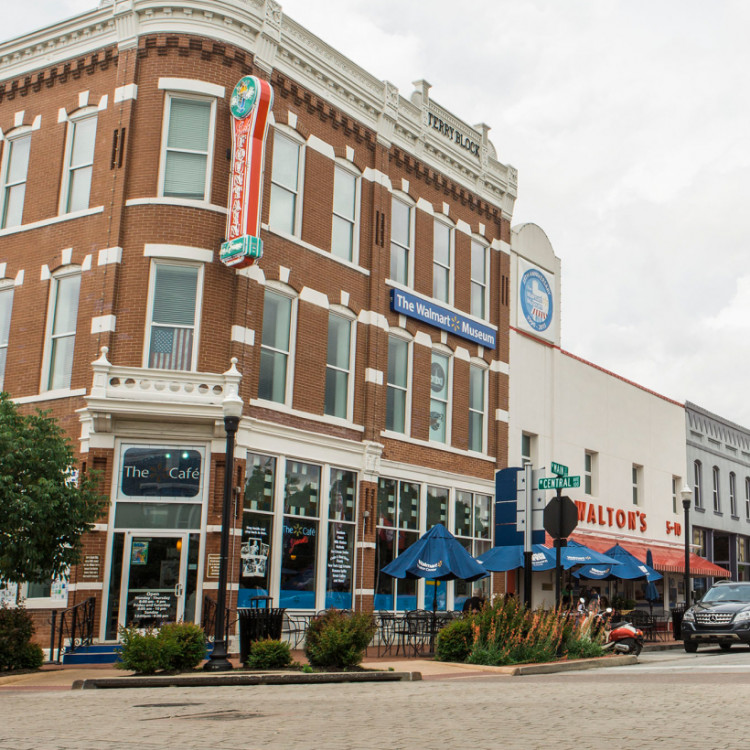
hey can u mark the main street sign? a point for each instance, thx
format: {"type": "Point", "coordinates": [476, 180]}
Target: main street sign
{"type": "Point", "coordinates": [560, 469]}
{"type": "Point", "coordinates": [559, 483]}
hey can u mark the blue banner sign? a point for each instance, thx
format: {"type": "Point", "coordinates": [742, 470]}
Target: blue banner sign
{"type": "Point", "coordinates": [453, 322]}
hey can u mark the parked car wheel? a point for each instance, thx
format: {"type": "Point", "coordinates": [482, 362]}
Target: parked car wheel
{"type": "Point", "coordinates": [691, 648]}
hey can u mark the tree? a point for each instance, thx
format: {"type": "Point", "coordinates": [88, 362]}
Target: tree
{"type": "Point", "coordinates": [45, 506]}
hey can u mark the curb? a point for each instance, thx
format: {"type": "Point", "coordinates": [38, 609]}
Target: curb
{"type": "Point", "coordinates": [189, 680]}
{"type": "Point", "coordinates": [520, 670]}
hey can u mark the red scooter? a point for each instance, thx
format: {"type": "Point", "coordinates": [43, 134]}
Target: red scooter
{"type": "Point", "coordinates": [622, 637]}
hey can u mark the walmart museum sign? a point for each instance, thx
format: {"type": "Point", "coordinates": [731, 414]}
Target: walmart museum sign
{"type": "Point", "coordinates": [441, 317]}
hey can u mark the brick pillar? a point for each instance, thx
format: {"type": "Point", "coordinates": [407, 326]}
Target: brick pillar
{"type": "Point", "coordinates": [365, 574]}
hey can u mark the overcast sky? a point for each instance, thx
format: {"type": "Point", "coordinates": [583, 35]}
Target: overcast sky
{"type": "Point", "coordinates": [629, 123]}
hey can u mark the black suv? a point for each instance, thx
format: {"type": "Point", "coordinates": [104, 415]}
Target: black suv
{"type": "Point", "coordinates": [722, 616]}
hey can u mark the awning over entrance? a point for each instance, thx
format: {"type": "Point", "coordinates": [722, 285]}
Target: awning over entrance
{"type": "Point", "coordinates": [666, 559]}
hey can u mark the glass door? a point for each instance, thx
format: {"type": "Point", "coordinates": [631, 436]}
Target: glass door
{"type": "Point", "coordinates": [154, 575]}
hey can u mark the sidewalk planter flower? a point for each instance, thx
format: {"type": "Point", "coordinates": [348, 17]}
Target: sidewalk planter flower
{"type": "Point", "coordinates": [507, 633]}
{"type": "Point", "coordinates": [338, 639]}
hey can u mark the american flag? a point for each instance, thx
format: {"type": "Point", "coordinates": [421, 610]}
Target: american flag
{"type": "Point", "coordinates": [171, 348]}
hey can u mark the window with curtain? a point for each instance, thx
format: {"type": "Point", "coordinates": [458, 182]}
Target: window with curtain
{"type": "Point", "coordinates": [173, 317]}
{"type": "Point", "coordinates": [441, 261]}
{"type": "Point", "coordinates": [6, 307]}
{"type": "Point", "coordinates": [79, 164]}
{"type": "Point", "coordinates": [187, 149]}
{"type": "Point", "coordinates": [439, 389]}
{"type": "Point", "coordinates": [344, 230]}
{"type": "Point", "coordinates": [401, 241]}
{"type": "Point", "coordinates": [275, 349]}
{"type": "Point", "coordinates": [285, 184]}
{"type": "Point", "coordinates": [338, 366]}
{"type": "Point", "coordinates": [62, 329]}
{"type": "Point", "coordinates": [477, 380]}
{"type": "Point", "coordinates": [478, 279]}
{"type": "Point", "coordinates": [397, 385]}
{"type": "Point", "coordinates": [15, 170]}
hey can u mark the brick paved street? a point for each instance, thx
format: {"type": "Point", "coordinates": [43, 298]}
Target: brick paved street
{"type": "Point", "coordinates": [602, 708]}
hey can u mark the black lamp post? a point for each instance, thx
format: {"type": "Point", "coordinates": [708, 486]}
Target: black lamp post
{"type": "Point", "coordinates": [687, 500]}
{"type": "Point", "coordinates": [232, 408]}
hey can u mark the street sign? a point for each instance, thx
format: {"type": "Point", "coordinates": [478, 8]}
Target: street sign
{"type": "Point", "coordinates": [560, 517]}
{"type": "Point", "coordinates": [559, 483]}
{"type": "Point", "coordinates": [559, 469]}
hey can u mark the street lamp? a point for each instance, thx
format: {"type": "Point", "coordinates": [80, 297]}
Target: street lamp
{"type": "Point", "coordinates": [232, 408]}
{"type": "Point", "coordinates": [687, 500]}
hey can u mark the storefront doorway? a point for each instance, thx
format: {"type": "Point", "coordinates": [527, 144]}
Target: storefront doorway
{"type": "Point", "coordinates": [157, 579]}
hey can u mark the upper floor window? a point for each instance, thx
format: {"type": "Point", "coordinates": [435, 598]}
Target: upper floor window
{"type": "Point", "coordinates": [747, 498]}
{"type": "Point", "coordinates": [636, 476]}
{"type": "Point", "coordinates": [79, 163]}
{"type": "Point", "coordinates": [402, 240]}
{"type": "Point", "coordinates": [477, 407]}
{"type": "Point", "coordinates": [733, 493]}
{"type": "Point", "coordinates": [188, 144]}
{"type": "Point", "coordinates": [61, 329]}
{"type": "Point", "coordinates": [175, 301]}
{"type": "Point", "coordinates": [675, 489]}
{"type": "Point", "coordinates": [397, 390]}
{"type": "Point", "coordinates": [439, 390]}
{"type": "Point", "coordinates": [345, 214]}
{"type": "Point", "coordinates": [697, 484]}
{"type": "Point", "coordinates": [338, 366]}
{"type": "Point", "coordinates": [589, 472]}
{"type": "Point", "coordinates": [442, 251]}
{"type": "Point", "coordinates": [478, 279]}
{"type": "Point", "coordinates": [716, 497]}
{"type": "Point", "coordinates": [6, 306]}
{"type": "Point", "coordinates": [528, 448]}
{"type": "Point", "coordinates": [276, 347]}
{"type": "Point", "coordinates": [14, 170]}
{"type": "Point", "coordinates": [286, 182]}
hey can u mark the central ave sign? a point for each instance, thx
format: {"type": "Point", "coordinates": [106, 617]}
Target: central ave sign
{"type": "Point", "coordinates": [559, 483]}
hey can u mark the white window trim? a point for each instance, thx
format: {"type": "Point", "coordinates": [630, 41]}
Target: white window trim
{"type": "Point", "coordinates": [715, 493]}
{"type": "Point", "coordinates": [13, 135]}
{"type": "Point", "coordinates": [346, 314]}
{"type": "Point", "coordinates": [286, 291]}
{"type": "Point", "coordinates": [637, 479]}
{"type": "Point", "coordinates": [445, 352]}
{"type": "Point", "coordinates": [404, 336]}
{"type": "Point", "coordinates": [192, 86]}
{"type": "Point", "coordinates": [168, 261]}
{"type": "Point", "coordinates": [167, 109]}
{"type": "Point", "coordinates": [61, 273]}
{"type": "Point", "coordinates": [732, 494]}
{"type": "Point", "coordinates": [440, 219]}
{"type": "Point", "coordinates": [481, 365]}
{"type": "Point", "coordinates": [6, 285]}
{"type": "Point", "coordinates": [481, 241]}
{"type": "Point", "coordinates": [698, 483]}
{"type": "Point", "coordinates": [72, 121]}
{"type": "Point", "coordinates": [411, 204]}
{"type": "Point", "coordinates": [347, 166]}
{"type": "Point", "coordinates": [297, 138]}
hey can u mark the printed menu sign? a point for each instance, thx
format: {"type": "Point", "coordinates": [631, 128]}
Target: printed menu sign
{"type": "Point", "coordinates": [339, 556]}
{"type": "Point", "coordinates": [152, 604]}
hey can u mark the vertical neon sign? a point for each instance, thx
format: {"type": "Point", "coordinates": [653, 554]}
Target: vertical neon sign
{"type": "Point", "coordinates": [250, 106]}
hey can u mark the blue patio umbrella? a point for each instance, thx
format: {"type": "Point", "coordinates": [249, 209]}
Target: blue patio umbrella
{"type": "Point", "coordinates": [652, 593]}
{"type": "Point", "coordinates": [579, 554]}
{"type": "Point", "coordinates": [437, 556]}
{"type": "Point", "coordinates": [630, 568]}
{"type": "Point", "coordinates": [509, 557]}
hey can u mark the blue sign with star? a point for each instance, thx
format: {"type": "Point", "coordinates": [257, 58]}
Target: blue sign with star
{"type": "Point", "coordinates": [440, 317]}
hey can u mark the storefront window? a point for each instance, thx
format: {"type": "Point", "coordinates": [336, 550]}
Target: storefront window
{"type": "Point", "coordinates": [472, 516]}
{"type": "Point", "coordinates": [341, 530]}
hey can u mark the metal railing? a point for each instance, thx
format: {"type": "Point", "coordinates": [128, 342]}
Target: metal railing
{"type": "Point", "coordinates": [76, 624]}
{"type": "Point", "coordinates": [209, 618]}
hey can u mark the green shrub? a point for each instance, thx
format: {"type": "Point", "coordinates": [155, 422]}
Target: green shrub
{"type": "Point", "coordinates": [176, 647]}
{"type": "Point", "coordinates": [455, 640]}
{"type": "Point", "coordinates": [142, 653]}
{"type": "Point", "coordinates": [185, 644]}
{"type": "Point", "coordinates": [269, 654]}
{"type": "Point", "coordinates": [16, 649]}
{"type": "Point", "coordinates": [338, 639]}
{"type": "Point", "coordinates": [584, 648]}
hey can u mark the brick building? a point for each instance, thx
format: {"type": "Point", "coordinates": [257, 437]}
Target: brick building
{"type": "Point", "coordinates": [369, 344]}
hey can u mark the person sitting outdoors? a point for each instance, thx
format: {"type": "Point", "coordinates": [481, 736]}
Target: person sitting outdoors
{"type": "Point", "coordinates": [474, 603]}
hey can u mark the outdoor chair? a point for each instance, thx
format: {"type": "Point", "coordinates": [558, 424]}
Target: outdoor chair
{"type": "Point", "coordinates": [644, 621]}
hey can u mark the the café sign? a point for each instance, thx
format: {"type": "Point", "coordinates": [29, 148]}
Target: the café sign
{"type": "Point", "coordinates": [161, 472]}
{"type": "Point", "coordinates": [250, 106]}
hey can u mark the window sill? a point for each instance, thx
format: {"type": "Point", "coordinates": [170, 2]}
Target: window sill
{"type": "Point", "coordinates": [323, 418]}
{"type": "Point", "coordinates": [317, 250]}
{"type": "Point", "coordinates": [183, 202]}
{"type": "Point", "coordinates": [388, 435]}
{"type": "Point", "coordinates": [51, 395]}
{"type": "Point", "coordinates": [53, 220]}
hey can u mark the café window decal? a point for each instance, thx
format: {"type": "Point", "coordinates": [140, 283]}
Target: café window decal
{"type": "Point", "coordinates": [161, 472]}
